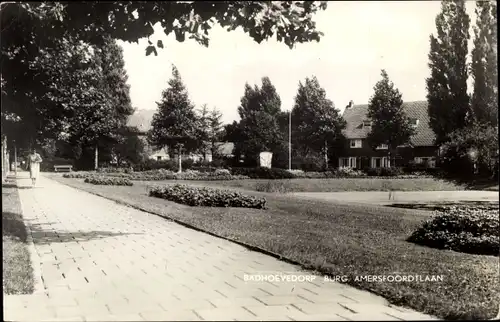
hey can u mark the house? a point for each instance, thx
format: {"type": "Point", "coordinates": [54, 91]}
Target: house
{"type": "Point", "coordinates": [358, 154]}
{"type": "Point", "coordinates": [141, 119]}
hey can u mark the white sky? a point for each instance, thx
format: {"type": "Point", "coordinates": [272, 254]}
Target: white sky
{"type": "Point", "coordinates": [361, 38]}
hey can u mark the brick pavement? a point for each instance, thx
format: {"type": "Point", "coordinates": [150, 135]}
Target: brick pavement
{"type": "Point", "coordinates": [101, 261]}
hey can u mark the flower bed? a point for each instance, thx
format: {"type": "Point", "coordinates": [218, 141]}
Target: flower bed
{"type": "Point", "coordinates": [108, 181]}
{"type": "Point", "coordinates": [78, 175]}
{"type": "Point", "coordinates": [206, 197]}
{"type": "Point", "coordinates": [263, 173]}
{"type": "Point", "coordinates": [466, 230]}
{"type": "Point", "coordinates": [188, 175]}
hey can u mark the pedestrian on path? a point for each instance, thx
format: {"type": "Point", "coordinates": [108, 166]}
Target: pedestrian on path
{"type": "Point", "coordinates": [35, 159]}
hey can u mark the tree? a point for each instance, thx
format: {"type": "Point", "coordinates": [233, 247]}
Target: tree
{"type": "Point", "coordinates": [204, 130]}
{"type": "Point", "coordinates": [259, 128]}
{"type": "Point", "coordinates": [175, 124]}
{"type": "Point", "coordinates": [232, 133]}
{"type": "Point", "coordinates": [484, 67]}
{"type": "Point", "coordinates": [216, 131]}
{"type": "Point", "coordinates": [210, 130]}
{"type": "Point", "coordinates": [108, 102]}
{"type": "Point", "coordinates": [390, 125]}
{"type": "Point", "coordinates": [316, 123]}
{"type": "Point", "coordinates": [449, 107]}
{"type": "Point", "coordinates": [479, 138]}
{"type": "Point", "coordinates": [130, 148]}
{"type": "Point", "coordinates": [30, 29]}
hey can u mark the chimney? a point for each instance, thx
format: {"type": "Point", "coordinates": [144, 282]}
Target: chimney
{"type": "Point", "coordinates": [351, 104]}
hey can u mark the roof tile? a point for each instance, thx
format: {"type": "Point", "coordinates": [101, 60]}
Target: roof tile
{"type": "Point", "coordinates": [424, 136]}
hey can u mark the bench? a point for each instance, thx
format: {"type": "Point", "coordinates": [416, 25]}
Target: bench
{"type": "Point", "coordinates": [63, 168]}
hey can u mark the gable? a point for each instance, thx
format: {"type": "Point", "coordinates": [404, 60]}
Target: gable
{"type": "Point", "coordinates": [141, 119]}
{"type": "Point", "coordinates": [424, 135]}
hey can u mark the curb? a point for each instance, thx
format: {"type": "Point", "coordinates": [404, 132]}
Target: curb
{"type": "Point", "coordinates": [38, 286]}
{"type": "Point", "coordinates": [250, 247]}
{"type": "Point", "coordinates": [247, 246]}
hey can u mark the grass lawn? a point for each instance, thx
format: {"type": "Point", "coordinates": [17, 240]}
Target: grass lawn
{"type": "Point", "coordinates": [17, 269]}
{"type": "Point", "coordinates": [439, 205]}
{"type": "Point", "coordinates": [342, 239]}
{"type": "Point", "coordinates": [340, 184]}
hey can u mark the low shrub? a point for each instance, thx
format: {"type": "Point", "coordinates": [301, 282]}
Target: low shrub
{"type": "Point", "coordinates": [263, 173]}
{"type": "Point", "coordinates": [206, 197]}
{"type": "Point", "coordinates": [348, 172]}
{"type": "Point", "coordinates": [383, 172]}
{"type": "Point", "coordinates": [78, 175]}
{"type": "Point", "coordinates": [274, 186]}
{"type": "Point", "coordinates": [187, 175]}
{"type": "Point", "coordinates": [222, 172]}
{"type": "Point", "coordinates": [108, 181]}
{"type": "Point", "coordinates": [466, 230]}
{"type": "Point", "coordinates": [114, 170]}
{"type": "Point", "coordinates": [149, 165]}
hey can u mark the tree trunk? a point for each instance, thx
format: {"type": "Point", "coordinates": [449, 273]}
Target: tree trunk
{"type": "Point", "coordinates": [180, 159]}
{"type": "Point", "coordinates": [326, 155]}
{"type": "Point", "coordinates": [96, 158]}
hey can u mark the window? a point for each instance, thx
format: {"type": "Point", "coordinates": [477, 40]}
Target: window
{"type": "Point", "coordinates": [367, 123]}
{"type": "Point", "coordinates": [347, 162]}
{"type": "Point", "coordinates": [382, 147]}
{"type": "Point", "coordinates": [158, 158]}
{"type": "Point", "coordinates": [356, 143]}
{"type": "Point", "coordinates": [414, 122]}
{"type": "Point", "coordinates": [379, 162]}
{"type": "Point", "coordinates": [429, 161]}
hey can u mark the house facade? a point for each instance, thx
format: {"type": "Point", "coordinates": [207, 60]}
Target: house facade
{"type": "Point", "coordinates": [141, 119]}
{"type": "Point", "coordinates": [359, 155]}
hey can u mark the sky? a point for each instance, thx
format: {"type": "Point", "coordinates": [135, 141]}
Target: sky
{"type": "Point", "coordinates": [360, 38]}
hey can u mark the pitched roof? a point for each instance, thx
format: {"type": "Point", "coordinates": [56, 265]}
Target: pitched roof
{"type": "Point", "coordinates": [226, 148]}
{"type": "Point", "coordinates": [141, 119]}
{"type": "Point", "coordinates": [424, 136]}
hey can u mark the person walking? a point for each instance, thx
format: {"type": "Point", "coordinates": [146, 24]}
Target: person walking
{"type": "Point", "coordinates": [34, 159]}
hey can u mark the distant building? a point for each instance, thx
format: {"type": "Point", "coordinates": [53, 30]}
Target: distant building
{"type": "Point", "coordinates": [141, 119]}
{"type": "Point", "coordinates": [421, 148]}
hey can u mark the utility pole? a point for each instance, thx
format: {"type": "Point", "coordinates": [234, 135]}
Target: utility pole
{"type": "Point", "coordinates": [290, 140]}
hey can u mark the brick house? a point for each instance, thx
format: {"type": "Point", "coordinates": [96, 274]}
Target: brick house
{"type": "Point", "coordinates": [141, 119]}
{"type": "Point", "coordinates": [358, 154]}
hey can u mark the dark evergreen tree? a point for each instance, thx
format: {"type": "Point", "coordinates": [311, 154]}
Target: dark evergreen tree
{"type": "Point", "coordinates": [316, 123]}
{"type": "Point", "coordinates": [390, 125]}
{"type": "Point", "coordinates": [258, 127]}
{"type": "Point", "coordinates": [484, 67]}
{"type": "Point", "coordinates": [449, 106]}
{"type": "Point", "coordinates": [175, 124]}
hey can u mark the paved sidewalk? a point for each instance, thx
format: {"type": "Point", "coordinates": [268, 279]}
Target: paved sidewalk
{"type": "Point", "coordinates": [101, 261]}
{"type": "Point", "coordinates": [385, 198]}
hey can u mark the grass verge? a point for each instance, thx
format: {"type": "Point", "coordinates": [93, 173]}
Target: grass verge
{"type": "Point", "coordinates": [343, 239]}
{"type": "Point", "coordinates": [340, 184]}
{"type": "Point", "coordinates": [17, 269]}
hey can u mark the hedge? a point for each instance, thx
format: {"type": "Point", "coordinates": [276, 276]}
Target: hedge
{"type": "Point", "coordinates": [467, 230]}
{"type": "Point", "coordinates": [206, 197]}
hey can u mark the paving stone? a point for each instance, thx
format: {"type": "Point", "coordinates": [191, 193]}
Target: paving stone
{"type": "Point", "coordinates": [155, 269]}
{"type": "Point", "coordinates": [226, 313]}
{"type": "Point", "coordinates": [231, 302]}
